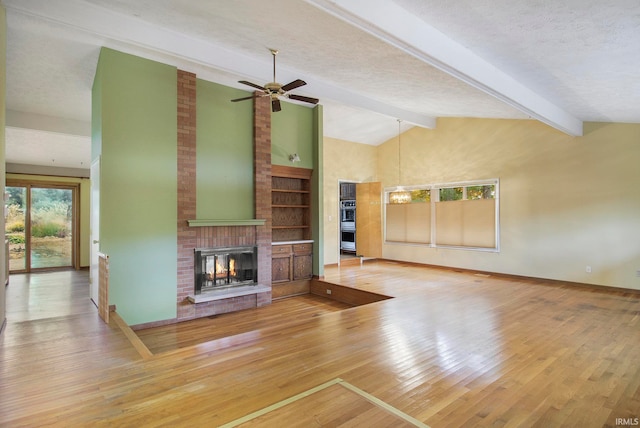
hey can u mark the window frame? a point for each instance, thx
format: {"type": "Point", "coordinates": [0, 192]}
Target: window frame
{"type": "Point", "coordinates": [434, 190]}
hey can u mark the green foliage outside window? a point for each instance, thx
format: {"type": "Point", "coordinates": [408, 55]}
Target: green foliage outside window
{"type": "Point", "coordinates": [481, 192]}
{"type": "Point", "coordinates": [421, 195]}
{"type": "Point", "coordinates": [17, 196]}
{"type": "Point", "coordinates": [451, 194]}
{"type": "Point", "coordinates": [485, 191]}
{"type": "Point", "coordinates": [16, 239]}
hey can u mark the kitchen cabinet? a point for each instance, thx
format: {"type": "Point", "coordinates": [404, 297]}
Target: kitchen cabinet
{"type": "Point", "coordinates": [347, 191]}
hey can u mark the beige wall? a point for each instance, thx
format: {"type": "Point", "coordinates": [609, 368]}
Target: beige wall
{"type": "Point", "coordinates": [348, 162]}
{"type": "Point", "coordinates": [565, 202]}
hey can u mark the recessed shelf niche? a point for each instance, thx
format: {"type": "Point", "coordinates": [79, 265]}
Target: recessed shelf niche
{"type": "Point", "coordinates": [290, 203]}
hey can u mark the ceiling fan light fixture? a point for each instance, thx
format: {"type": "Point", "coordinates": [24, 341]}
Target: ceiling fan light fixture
{"type": "Point", "coordinates": [277, 91]}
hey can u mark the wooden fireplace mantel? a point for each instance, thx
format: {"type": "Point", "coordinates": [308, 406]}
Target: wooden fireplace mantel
{"type": "Point", "coordinates": [247, 222]}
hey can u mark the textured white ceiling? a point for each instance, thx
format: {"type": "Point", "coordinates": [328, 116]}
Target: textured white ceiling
{"type": "Point", "coordinates": [582, 56]}
{"type": "Point", "coordinates": [47, 148]}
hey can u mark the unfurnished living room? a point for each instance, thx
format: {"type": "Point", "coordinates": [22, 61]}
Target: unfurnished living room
{"type": "Point", "coordinates": [320, 213]}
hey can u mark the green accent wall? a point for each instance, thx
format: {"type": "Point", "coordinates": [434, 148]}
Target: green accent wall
{"type": "Point", "coordinates": [292, 132]}
{"type": "Point", "coordinates": [135, 121]}
{"type": "Point", "coordinates": [224, 147]}
{"type": "Point", "coordinates": [317, 203]}
{"type": "Point", "coordinates": [134, 132]}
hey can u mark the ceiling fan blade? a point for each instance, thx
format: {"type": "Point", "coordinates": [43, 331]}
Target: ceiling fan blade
{"type": "Point", "coordinates": [244, 82]}
{"type": "Point", "coordinates": [304, 99]}
{"type": "Point", "coordinates": [295, 84]}
{"type": "Point", "coordinates": [275, 105]}
{"type": "Point", "coordinates": [242, 99]}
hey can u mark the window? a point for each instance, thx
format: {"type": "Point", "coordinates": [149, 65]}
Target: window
{"type": "Point", "coordinates": [487, 191]}
{"type": "Point", "coordinates": [457, 215]}
{"type": "Point", "coordinates": [420, 195]}
{"type": "Point", "coordinates": [451, 193]}
{"type": "Point", "coordinates": [410, 222]}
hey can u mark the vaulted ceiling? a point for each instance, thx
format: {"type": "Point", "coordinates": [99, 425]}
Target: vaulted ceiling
{"type": "Point", "coordinates": [370, 62]}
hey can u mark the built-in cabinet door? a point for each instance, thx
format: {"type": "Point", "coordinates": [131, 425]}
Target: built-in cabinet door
{"type": "Point", "coordinates": [369, 219]}
{"type": "Point", "coordinates": [302, 266]}
{"type": "Point", "coordinates": [280, 269]}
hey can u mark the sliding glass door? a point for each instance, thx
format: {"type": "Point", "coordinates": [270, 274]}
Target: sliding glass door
{"type": "Point", "coordinates": [40, 226]}
{"type": "Point", "coordinates": [14, 227]}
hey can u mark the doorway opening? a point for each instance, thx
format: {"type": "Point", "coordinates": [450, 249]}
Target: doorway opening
{"type": "Point", "coordinates": [360, 215]}
{"type": "Point", "coordinates": [347, 218]}
{"type": "Point", "coordinates": [41, 226]}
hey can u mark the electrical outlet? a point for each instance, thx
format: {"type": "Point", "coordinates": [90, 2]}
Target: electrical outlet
{"type": "Point", "coordinates": [588, 269]}
{"type": "Point", "coordinates": [328, 291]}
{"type": "Point", "coordinates": [638, 273]}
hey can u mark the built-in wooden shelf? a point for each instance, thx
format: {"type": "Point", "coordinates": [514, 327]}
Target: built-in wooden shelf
{"type": "Point", "coordinates": [290, 203]}
{"type": "Point", "coordinates": [291, 232]}
{"type": "Point", "coordinates": [247, 222]}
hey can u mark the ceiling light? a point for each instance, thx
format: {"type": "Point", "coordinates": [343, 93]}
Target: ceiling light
{"type": "Point", "coordinates": [399, 196]}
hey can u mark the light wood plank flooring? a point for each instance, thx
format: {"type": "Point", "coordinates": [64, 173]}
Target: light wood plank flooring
{"type": "Point", "coordinates": [278, 314]}
{"type": "Point", "coordinates": [452, 349]}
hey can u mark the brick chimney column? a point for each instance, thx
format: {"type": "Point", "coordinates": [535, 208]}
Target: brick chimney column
{"type": "Point", "coordinates": [186, 190]}
{"type": "Point", "coordinates": [262, 184]}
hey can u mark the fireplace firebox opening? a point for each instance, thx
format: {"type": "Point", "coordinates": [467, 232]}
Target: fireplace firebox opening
{"type": "Point", "coordinates": [224, 267]}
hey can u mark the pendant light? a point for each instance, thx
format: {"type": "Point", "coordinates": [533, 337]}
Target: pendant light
{"type": "Point", "coordinates": [399, 196]}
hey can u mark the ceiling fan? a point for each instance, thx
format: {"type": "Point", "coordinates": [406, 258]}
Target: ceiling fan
{"type": "Point", "coordinates": [277, 91]}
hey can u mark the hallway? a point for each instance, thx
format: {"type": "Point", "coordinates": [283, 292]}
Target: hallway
{"type": "Point", "coordinates": [55, 348]}
{"type": "Point", "coordinates": [48, 294]}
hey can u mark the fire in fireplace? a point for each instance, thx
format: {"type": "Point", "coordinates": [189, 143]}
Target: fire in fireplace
{"type": "Point", "coordinates": [217, 268]}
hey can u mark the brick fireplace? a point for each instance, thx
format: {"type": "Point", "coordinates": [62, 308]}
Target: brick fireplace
{"type": "Point", "coordinates": [190, 238]}
{"type": "Point", "coordinates": [225, 268]}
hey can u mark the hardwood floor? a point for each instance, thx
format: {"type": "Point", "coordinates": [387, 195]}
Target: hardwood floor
{"type": "Point", "coordinates": [47, 295]}
{"type": "Point", "coordinates": [451, 349]}
{"type": "Point", "coordinates": [278, 314]}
